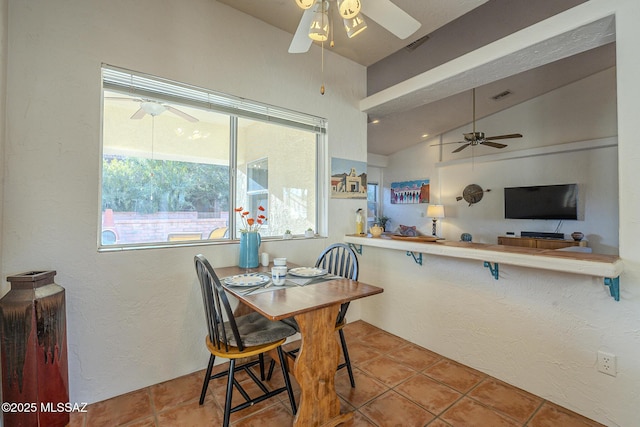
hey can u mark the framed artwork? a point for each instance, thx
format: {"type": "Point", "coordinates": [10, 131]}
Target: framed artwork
{"type": "Point", "coordinates": [408, 192]}
{"type": "Point", "coordinates": [348, 179]}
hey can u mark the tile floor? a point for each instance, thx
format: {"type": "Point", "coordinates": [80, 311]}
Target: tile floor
{"type": "Point", "coordinates": [397, 384]}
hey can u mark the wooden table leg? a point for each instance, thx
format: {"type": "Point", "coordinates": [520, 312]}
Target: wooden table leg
{"type": "Point", "coordinates": [315, 369]}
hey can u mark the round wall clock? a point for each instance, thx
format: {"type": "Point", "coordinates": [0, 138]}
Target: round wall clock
{"type": "Point", "coordinates": [472, 193]}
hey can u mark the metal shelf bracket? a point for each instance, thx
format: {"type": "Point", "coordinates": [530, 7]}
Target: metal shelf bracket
{"type": "Point", "coordinates": [417, 259]}
{"type": "Point", "coordinates": [493, 269]}
{"type": "Point", "coordinates": [614, 286]}
{"type": "Point", "coordinates": [357, 248]}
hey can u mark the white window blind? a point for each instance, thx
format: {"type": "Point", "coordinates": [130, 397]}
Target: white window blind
{"type": "Point", "coordinates": [157, 88]}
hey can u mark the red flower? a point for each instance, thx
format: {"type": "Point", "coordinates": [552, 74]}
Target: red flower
{"type": "Point", "coordinates": [251, 224]}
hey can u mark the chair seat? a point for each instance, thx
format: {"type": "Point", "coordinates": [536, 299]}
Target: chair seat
{"type": "Point", "coordinates": [255, 330]}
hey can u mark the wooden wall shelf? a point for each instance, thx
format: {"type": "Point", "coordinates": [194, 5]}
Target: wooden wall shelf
{"type": "Point", "coordinates": [608, 267]}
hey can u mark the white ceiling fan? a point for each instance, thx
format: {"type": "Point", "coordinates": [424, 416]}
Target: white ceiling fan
{"type": "Point", "coordinates": [316, 21]}
{"type": "Point", "coordinates": [154, 108]}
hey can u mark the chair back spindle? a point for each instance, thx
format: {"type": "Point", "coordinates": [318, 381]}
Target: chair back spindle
{"type": "Point", "coordinates": [340, 260]}
{"type": "Point", "coordinates": [216, 305]}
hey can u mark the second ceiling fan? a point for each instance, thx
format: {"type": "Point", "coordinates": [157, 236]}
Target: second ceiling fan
{"type": "Point", "coordinates": [478, 138]}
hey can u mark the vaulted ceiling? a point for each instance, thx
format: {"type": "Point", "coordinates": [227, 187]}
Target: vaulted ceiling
{"type": "Point", "coordinates": [450, 29]}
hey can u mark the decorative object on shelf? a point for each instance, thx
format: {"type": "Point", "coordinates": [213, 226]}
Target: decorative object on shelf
{"type": "Point", "coordinates": [435, 212]}
{"type": "Point", "coordinates": [407, 192]}
{"type": "Point", "coordinates": [348, 179]}
{"type": "Point", "coordinates": [250, 238]}
{"type": "Point", "coordinates": [577, 236]}
{"type": "Point", "coordinates": [287, 235]}
{"type": "Point", "coordinates": [309, 233]}
{"type": "Point", "coordinates": [359, 222]}
{"type": "Point", "coordinates": [407, 230]}
{"type": "Point", "coordinates": [465, 237]}
{"type": "Point", "coordinates": [472, 193]}
{"type": "Point", "coordinates": [382, 221]}
{"type": "Point", "coordinates": [34, 350]}
{"type": "Point", "coordinates": [376, 230]}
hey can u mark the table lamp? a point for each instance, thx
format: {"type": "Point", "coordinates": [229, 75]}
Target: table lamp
{"type": "Point", "coordinates": [435, 212]}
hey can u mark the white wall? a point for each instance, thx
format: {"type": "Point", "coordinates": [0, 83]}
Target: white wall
{"type": "Point", "coordinates": [134, 318]}
{"type": "Point", "coordinates": [537, 330]}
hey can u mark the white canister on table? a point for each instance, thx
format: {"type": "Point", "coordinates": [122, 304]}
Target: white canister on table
{"type": "Point", "coordinates": [264, 259]}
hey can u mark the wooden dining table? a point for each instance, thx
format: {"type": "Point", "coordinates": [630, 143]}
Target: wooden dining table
{"type": "Point", "coordinates": [315, 308]}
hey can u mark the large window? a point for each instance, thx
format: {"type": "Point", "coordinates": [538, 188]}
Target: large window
{"type": "Point", "coordinates": [177, 160]}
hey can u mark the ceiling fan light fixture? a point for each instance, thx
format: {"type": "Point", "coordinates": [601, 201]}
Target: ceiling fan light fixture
{"type": "Point", "coordinates": [153, 108]}
{"type": "Point", "coordinates": [355, 25]}
{"type": "Point", "coordinates": [305, 4]}
{"type": "Point", "coordinates": [349, 8]}
{"type": "Point", "coordinates": [319, 30]}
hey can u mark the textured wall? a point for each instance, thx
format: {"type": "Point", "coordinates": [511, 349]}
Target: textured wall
{"type": "Point", "coordinates": [135, 317]}
{"type": "Point", "coordinates": [537, 330]}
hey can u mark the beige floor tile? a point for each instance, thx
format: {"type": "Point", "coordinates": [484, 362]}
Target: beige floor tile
{"type": "Point", "coordinates": [366, 389]}
{"type": "Point", "coordinates": [191, 414]}
{"type": "Point", "coordinates": [469, 413]}
{"type": "Point", "coordinates": [360, 353]}
{"type": "Point", "coordinates": [507, 399]}
{"type": "Point", "coordinates": [359, 329]}
{"type": "Point", "coordinates": [428, 393]}
{"type": "Point", "coordinates": [120, 410]}
{"type": "Point", "coordinates": [392, 409]}
{"type": "Point", "coordinates": [175, 392]}
{"type": "Point", "coordinates": [383, 341]}
{"type": "Point", "coordinates": [275, 415]}
{"type": "Point", "coordinates": [388, 371]}
{"type": "Point", "coordinates": [455, 375]}
{"type": "Point", "coordinates": [551, 415]}
{"type": "Point", "coordinates": [415, 356]}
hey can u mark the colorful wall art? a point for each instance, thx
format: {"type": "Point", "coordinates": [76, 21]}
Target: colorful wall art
{"type": "Point", "coordinates": [407, 192]}
{"type": "Point", "coordinates": [348, 179]}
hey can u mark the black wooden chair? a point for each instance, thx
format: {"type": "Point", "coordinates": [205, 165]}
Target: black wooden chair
{"type": "Point", "coordinates": [238, 338]}
{"type": "Point", "coordinates": [339, 260]}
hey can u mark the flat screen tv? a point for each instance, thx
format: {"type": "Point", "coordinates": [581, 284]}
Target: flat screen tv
{"type": "Point", "coordinates": [541, 202]}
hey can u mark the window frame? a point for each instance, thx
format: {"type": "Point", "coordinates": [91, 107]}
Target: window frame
{"type": "Point", "coordinates": [144, 85]}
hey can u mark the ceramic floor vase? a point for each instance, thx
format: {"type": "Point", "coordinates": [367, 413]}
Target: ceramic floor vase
{"type": "Point", "coordinates": [34, 351]}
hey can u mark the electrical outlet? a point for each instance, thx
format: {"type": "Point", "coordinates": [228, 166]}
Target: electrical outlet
{"type": "Point", "coordinates": [607, 363]}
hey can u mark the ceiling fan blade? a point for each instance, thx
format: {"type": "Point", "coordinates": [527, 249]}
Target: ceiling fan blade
{"type": "Point", "coordinates": [139, 114]}
{"type": "Point", "coordinates": [182, 114]}
{"type": "Point", "coordinates": [122, 98]}
{"type": "Point", "coordinates": [301, 41]}
{"type": "Point", "coordinates": [447, 143]}
{"type": "Point", "coordinates": [391, 17]}
{"type": "Point", "coordinates": [457, 150]}
{"type": "Point", "coordinates": [512, 135]}
{"type": "Point", "coordinates": [494, 144]}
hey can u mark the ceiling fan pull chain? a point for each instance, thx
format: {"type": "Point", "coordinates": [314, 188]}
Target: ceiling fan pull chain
{"type": "Point", "coordinates": [322, 71]}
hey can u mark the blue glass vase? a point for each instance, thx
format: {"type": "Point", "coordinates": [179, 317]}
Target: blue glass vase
{"type": "Point", "coordinates": [249, 245]}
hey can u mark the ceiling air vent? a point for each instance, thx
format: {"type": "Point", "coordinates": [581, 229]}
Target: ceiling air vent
{"type": "Point", "coordinates": [501, 95]}
{"type": "Point", "coordinates": [413, 46]}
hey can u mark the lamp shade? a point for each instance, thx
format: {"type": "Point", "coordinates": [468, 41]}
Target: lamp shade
{"type": "Point", "coordinates": [348, 8]}
{"type": "Point", "coordinates": [435, 211]}
{"type": "Point", "coordinates": [319, 30]}
{"type": "Point", "coordinates": [305, 4]}
{"type": "Point", "coordinates": [355, 25]}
